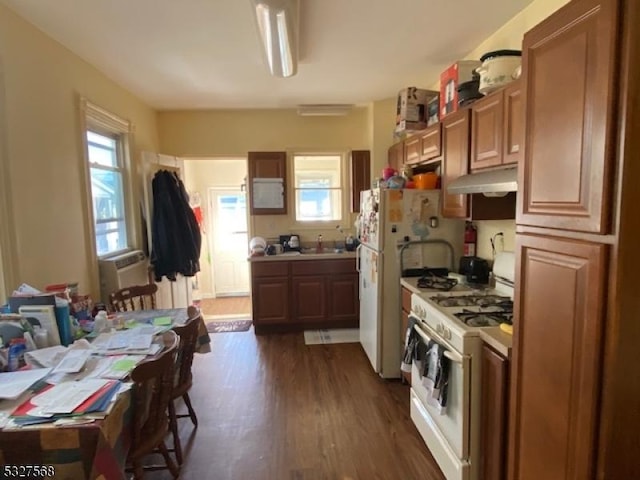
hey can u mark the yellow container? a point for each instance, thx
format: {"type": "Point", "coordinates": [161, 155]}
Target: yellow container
{"type": "Point", "coordinates": [426, 181]}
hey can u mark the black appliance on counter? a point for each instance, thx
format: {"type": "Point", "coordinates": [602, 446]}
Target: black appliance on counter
{"type": "Point", "coordinates": [475, 269]}
{"type": "Point", "coordinates": [284, 241]}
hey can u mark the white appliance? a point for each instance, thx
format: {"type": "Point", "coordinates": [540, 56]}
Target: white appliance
{"type": "Point", "coordinates": [122, 271]}
{"type": "Point", "coordinates": [453, 320]}
{"type": "Point", "coordinates": [386, 218]}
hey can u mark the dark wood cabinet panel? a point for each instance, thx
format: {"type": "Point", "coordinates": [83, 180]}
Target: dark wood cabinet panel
{"type": "Point", "coordinates": [513, 132]}
{"type": "Point", "coordinates": [270, 300]}
{"type": "Point", "coordinates": [294, 295]}
{"type": "Point", "coordinates": [493, 422]}
{"type": "Point", "coordinates": [569, 68]}
{"type": "Point", "coordinates": [412, 148]}
{"type": "Point", "coordinates": [431, 142]}
{"type": "Point", "coordinates": [267, 165]}
{"type": "Point", "coordinates": [557, 358]}
{"type": "Point", "coordinates": [360, 176]}
{"type": "Point", "coordinates": [455, 161]}
{"type": "Point", "coordinates": [309, 298]}
{"type": "Point", "coordinates": [396, 156]}
{"type": "Point", "coordinates": [342, 300]}
{"type": "Point", "coordinates": [487, 124]}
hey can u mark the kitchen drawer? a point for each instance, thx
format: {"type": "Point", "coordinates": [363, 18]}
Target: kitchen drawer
{"type": "Point", "coordinates": [318, 267]}
{"type": "Point", "coordinates": [406, 299]}
{"type": "Point", "coordinates": [270, 269]}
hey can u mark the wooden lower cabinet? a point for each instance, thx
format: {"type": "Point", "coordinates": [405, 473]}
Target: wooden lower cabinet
{"type": "Point", "coordinates": [270, 300]}
{"type": "Point", "coordinates": [304, 294]}
{"type": "Point", "coordinates": [309, 298]}
{"type": "Point", "coordinates": [557, 358]}
{"type": "Point", "coordinates": [493, 422]}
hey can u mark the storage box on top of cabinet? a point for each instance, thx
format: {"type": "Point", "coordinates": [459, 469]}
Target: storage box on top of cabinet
{"type": "Point", "coordinates": [460, 72]}
{"type": "Point", "coordinates": [411, 111]}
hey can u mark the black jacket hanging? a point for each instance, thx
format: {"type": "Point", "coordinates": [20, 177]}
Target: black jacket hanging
{"type": "Point", "coordinates": [175, 233]}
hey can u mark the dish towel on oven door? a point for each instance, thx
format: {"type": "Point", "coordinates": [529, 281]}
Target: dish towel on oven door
{"type": "Point", "coordinates": [435, 376]}
{"type": "Point", "coordinates": [411, 342]}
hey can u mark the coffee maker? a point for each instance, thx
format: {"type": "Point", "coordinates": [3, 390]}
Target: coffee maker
{"type": "Point", "coordinates": [290, 243]}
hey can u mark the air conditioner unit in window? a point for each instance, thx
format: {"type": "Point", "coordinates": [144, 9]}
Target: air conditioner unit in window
{"type": "Point", "coordinates": [122, 271]}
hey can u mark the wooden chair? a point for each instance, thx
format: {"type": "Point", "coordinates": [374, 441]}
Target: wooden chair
{"type": "Point", "coordinates": [153, 386]}
{"type": "Point", "coordinates": [188, 334]}
{"type": "Point", "coordinates": [136, 297]}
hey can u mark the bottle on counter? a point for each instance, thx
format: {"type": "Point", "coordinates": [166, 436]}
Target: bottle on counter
{"type": "Point", "coordinates": [319, 244]}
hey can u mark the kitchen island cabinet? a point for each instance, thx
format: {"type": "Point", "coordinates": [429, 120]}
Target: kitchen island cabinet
{"type": "Point", "coordinates": [306, 293]}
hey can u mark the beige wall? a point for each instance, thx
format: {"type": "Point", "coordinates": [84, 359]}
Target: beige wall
{"type": "Point", "coordinates": [200, 175]}
{"type": "Point", "coordinates": [43, 154]}
{"type": "Point", "coordinates": [233, 133]}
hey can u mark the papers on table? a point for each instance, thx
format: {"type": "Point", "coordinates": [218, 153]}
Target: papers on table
{"type": "Point", "coordinates": [65, 397]}
{"type": "Point", "coordinates": [137, 340]}
{"type": "Point", "coordinates": [116, 367]}
{"type": "Point", "coordinates": [14, 384]}
{"type": "Point", "coordinates": [73, 361]}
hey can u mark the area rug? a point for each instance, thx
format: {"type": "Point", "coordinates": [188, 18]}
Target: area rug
{"type": "Point", "coordinates": [227, 327]}
{"type": "Point", "coordinates": [337, 335]}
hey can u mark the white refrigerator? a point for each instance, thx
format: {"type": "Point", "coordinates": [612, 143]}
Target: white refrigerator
{"type": "Point", "coordinates": [386, 218]}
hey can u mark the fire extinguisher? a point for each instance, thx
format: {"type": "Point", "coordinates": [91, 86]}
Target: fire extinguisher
{"type": "Point", "coordinates": [470, 240]}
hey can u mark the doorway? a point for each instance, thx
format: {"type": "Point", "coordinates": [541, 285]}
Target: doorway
{"type": "Point", "coordinates": [223, 282]}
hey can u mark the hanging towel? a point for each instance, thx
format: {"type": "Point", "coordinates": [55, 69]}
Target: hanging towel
{"type": "Point", "coordinates": [411, 341]}
{"type": "Point", "coordinates": [435, 376]}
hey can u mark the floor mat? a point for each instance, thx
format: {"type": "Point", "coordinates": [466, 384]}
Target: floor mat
{"type": "Point", "coordinates": [227, 327]}
{"type": "Point", "coordinates": [337, 335]}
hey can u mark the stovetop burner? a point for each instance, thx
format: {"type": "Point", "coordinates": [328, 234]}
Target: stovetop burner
{"type": "Point", "coordinates": [486, 318]}
{"type": "Point", "coordinates": [437, 282]}
{"type": "Point", "coordinates": [472, 300]}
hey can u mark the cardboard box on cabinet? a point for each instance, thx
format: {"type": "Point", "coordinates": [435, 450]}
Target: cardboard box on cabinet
{"type": "Point", "coordinates": [411, 111]}
{"type": "Point", "coordinates": [460, 72]}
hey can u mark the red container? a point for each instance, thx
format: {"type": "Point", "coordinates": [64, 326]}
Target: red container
{"type": "Point", "coordinates": [453, 76]}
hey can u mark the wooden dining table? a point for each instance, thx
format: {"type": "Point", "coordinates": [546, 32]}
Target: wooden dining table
{"type": "Point", "coordinates": [96, 450]}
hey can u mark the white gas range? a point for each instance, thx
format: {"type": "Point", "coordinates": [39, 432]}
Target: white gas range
{"type": "Point", "coordinates": [453, 320]}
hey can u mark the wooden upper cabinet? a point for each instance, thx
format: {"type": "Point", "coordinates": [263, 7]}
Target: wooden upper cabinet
{"type": "Point", "coordinates": [455, 161]}
{"type": "Point", "coordinates": [487, 123]}
{"type": "Point", "coordinates": [431, 142]}
{"type": "Point", "coordinates": [557, 358]}
{"type": "Point", "coordinates": [569, 68]}
{"type": "Point", "coordinates": [396, 156]}
{"type": "Point", "coordinates": [268, 165]}
{"type": "Point", "coordinates": [360, 176]}
{"type": "Point", "coordinates": [513, 132]}
{"type": "Point", "coordinates": [412, 149]}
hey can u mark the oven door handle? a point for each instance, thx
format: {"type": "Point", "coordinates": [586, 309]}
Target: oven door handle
{"type": "Point", "coordinates": [453, 356]}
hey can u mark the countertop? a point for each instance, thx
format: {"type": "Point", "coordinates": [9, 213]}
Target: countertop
{"type": "Point", "coordinates": [500, 341]}
{"type": "Point", "coordinates": [329, 255]}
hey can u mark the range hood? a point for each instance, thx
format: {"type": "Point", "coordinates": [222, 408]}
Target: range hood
{"type": "Point", "coordinates": [494, 181]}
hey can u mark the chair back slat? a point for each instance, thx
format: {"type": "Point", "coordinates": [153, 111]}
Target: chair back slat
{"type": "Point", "coordinates": [188, 334]}
{"type": "Point", "coordinates": [136, 297]}
{"type": "Point", "coordinates": [153, 388]}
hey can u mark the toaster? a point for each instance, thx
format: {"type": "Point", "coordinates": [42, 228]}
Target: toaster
{"type": "Point", "coordinates": [475, 269]}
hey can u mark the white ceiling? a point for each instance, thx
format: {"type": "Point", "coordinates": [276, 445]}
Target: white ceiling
{"type": "Point", "coordinates": [200, 54]}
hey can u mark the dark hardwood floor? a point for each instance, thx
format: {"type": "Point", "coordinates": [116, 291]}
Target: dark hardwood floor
{"type": "Point", "coordinates": [272, 408]}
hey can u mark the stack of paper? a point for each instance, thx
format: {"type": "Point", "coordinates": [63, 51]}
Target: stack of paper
{"type": "Point", "coordinates": [137, 340]}
{"type": "Point", "coordinates": [14, 384]}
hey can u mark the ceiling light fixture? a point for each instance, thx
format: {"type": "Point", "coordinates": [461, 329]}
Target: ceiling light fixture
{"type": "Point", "coordinates": [277, 22]}
{"type": "Point", "coordinates": [324, 110]}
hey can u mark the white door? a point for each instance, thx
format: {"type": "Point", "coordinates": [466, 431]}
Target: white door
{"type": "Point", "coordinates": [229, 241]}
{"type": "Point", "coordinates": [370, 328]}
